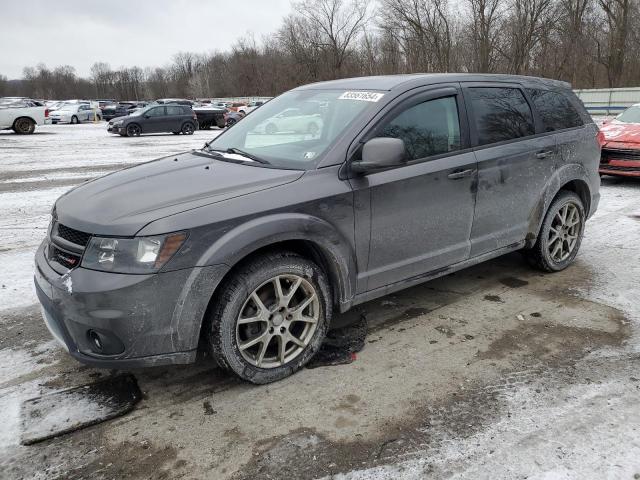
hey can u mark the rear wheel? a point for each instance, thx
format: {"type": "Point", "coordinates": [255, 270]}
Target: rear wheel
{"type": "Point", "coordinates": [133, 130]}
{"type": "Point", "coordinates": [188, 128]}
{"type": "Point", "coordinates": [24, 126]}
{"type": "Point", "coordinates": [560, 234]}
{"type": "Point", "coordinates": [271, 129]}
{"type": "Point", "coordinates": [270, 318]}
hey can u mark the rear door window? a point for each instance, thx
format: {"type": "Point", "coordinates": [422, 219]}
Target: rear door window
{"type": "Point", "coordinates": [555, 110]}
{"type": "Point", "coordinates": [174, 110]}
{"type": "Point", "coordinates": [500, 114]}
{"type": "Point", "coordinates": [428, 128]}
{"type": "Point", "coordinates": [156, 112]}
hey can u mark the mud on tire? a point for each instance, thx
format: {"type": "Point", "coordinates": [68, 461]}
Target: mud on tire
{"type": "Point", "coordinates": [224, 326]}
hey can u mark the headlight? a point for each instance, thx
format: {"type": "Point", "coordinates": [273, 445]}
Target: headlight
{"type": "Point", "coordinates": [131, 255]}
{"type": "Point", "coordinates": [119, 122]}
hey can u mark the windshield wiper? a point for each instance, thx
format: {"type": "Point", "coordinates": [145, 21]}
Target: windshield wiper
{"type": "Point", "coordinates": [237, 151]}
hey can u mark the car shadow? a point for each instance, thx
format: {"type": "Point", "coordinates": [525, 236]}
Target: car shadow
{"type": "Point", "coordinates": [350, 331]}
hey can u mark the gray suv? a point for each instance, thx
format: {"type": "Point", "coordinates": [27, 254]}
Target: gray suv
{"type": "Point", "coordinates": [248, 245]}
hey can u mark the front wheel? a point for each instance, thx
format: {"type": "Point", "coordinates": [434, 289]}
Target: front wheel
{"type": "Point", "coordinates": [74, 120]}
{"type": "Point", "coordinates": [270, 317]}
{"type": "Point", "coordinates": [133, 130]}
{"type": "Point", "coordinates": [560, 234]}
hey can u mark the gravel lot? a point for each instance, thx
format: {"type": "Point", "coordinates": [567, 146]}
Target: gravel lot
{"type": "Point", "coordinates": [497, 371]}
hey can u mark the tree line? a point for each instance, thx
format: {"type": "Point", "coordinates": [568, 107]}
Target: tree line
{"type": "Point", "coordinates": [589, 43]}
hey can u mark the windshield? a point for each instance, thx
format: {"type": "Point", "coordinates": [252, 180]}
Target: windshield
{"type": "Point", "coordinates": [295, 129]}
{"type": "Point", "coordinates": [630, 115]}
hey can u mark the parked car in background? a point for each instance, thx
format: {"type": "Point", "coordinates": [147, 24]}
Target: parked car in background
{"type": "Point", "coordinates": [177, 101]}
{"type": "Point", "coordinates": [120, 109]}
{"type": "Point", "coordinates": [231, 117]}
{"type": "Point", "coordinates": [621, 144]}
{"type": "Point", "coordinates": [249, 245]}
{"type": "Point", "coordinates": [76, 113]}
{"type": "Point", "coordinates": [235, 106]}
{"type": "Point", "coordinates": [156, 118]}
{"type": "Point", "coordinates": [250, 107]}
{"type": "Point", "coordinates": [209, 116]}
{"type": "Point", "coordinates": [22, 114]}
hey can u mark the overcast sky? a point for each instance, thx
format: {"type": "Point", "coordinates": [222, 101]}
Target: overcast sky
{"type": "Point", "coordinates": [125, 32]}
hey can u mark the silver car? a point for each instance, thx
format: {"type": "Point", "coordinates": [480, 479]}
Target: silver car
{"type": "Point", "coordinates": [76, 113]}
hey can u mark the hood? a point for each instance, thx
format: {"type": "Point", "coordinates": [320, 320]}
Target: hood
{"type": "Point", "coordinates": [621, 134]}
{"type": "Point", "coordinates": [123, 202]}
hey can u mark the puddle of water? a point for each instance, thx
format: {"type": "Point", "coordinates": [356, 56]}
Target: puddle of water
{"type": "Point", "coordinates": [69, 410]}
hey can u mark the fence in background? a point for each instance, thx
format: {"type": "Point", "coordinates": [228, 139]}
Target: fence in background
{"type": "Point", "coordinates": [608, 101]}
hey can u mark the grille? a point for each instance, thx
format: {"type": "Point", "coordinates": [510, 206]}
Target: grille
{"type": "Point", "coordinates": [68, 260]}
{"type": "Point", "coordinates": [614, 154]}
{"type": "Point", "coordinates": [73, 236]}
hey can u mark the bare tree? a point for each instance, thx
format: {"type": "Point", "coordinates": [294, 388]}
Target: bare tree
{"type": "Point", "coordinates": [338, 22]}
{"type": "Point", "coordinates": [423, 27]}
{"type": "Point", "coordinates": [486, 16]}
{"type": "Point", "coordinates": [613, 49]}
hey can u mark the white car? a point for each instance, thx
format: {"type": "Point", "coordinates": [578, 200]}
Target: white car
{"type": "Point", "coordinates": [291, 120]}
{"type": "Point", "coordinates": [76, 113]}
{"type": "Point", "coordinates": [251, 107]}
{"type": "Point", "coordinates": [22, 114]}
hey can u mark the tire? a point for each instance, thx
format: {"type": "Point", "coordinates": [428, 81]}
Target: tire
{"type": "Point", "coordinates": [133, 130]}
{"type": "Point", "coordinates": [312, 129]}
{"type": "Point", "coordinates": [74, 120]}
{"type": "Point", "coordinates": [271, 129]}
{"type": "Point", "coordinates": [188, 128]}
{"type": "Point", "coordinates": [553, 254]}
{"type": "Point", "coordinates": [231, 122]}
{"type": "Point", "coordinates": [24, 126]}
{"type": "Point", "coordinates": [304, 286]}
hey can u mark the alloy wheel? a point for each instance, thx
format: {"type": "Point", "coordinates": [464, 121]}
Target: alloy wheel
{"type": "Point", "coordinates": [133, 130]}
{"type": "Point", "coordinates": [564, 232]}
{"type": "Point", "coordinates": [277, 321]}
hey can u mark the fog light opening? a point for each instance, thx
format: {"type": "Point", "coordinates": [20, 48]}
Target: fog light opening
{"type": "Point", "coordinates": [94, 338]}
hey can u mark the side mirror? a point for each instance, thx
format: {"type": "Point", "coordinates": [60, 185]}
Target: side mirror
{"type": "Point", "coordinates": [379, 153]}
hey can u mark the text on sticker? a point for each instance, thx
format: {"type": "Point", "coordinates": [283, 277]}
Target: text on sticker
{"type": "Point", "coordinates": [363, 96]}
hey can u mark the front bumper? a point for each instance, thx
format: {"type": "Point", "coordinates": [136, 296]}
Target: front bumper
{"type": "Point", "coordinates": [139, 320]}
{"type": "Point", "coordinates": [620, 161]}
{"type": "Point", "coordinates": [115, 129]}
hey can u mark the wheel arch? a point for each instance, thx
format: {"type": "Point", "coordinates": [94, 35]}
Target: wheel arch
{"type": "Point", "coordinates": [572, 178]}
{"type": "Point", "coordinates": [308, 236]}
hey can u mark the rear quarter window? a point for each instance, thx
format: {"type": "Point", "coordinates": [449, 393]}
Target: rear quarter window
{"type": "Point", "coordinates": [555, 109]}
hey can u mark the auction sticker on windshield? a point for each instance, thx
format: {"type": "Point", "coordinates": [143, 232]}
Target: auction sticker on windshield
{"type": "Point", "coordinates": [363, 96]}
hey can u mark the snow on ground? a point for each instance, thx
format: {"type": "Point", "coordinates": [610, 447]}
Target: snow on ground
{"type": "Point", "coordinates": [65, 155]}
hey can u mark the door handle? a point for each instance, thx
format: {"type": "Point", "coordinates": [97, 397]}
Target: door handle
{"type": "Point", "coordinates": [544, 153]}
{"type": "Point", "coordinates": [461, 174]}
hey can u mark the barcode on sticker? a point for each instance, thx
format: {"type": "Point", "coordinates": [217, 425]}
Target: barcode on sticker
{"type": "Point", "coordinates": [363, 96]}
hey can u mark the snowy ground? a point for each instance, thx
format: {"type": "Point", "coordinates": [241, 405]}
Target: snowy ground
{"type": "Point", "coordinates": [493, 372]}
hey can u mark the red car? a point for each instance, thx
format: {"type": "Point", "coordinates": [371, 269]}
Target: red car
{"type": "Point", "coordinates": [621, 144]}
